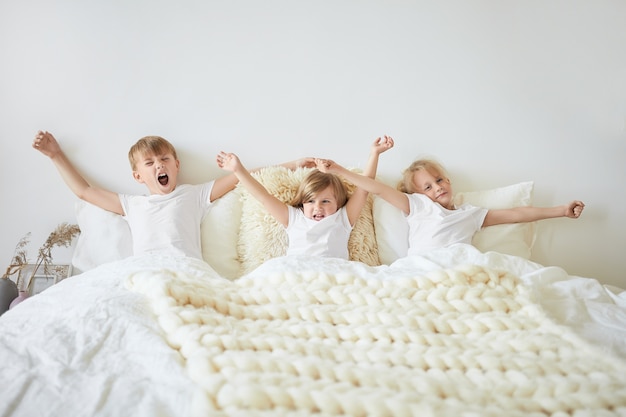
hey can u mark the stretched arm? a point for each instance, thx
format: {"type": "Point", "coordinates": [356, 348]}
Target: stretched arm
{"type": "Point", "coordinates": [386, 192]}
{"type": "Point", "coordinates": [228, 182]}
{"type": "Point", "coordinates": [223, 185]}
{"type": "Point", "coordinates": [359, 197]}
{"type": "Point", "coordinates": [46, 144]}
{"type": "Point", "coordinates": [306, 162]}
{"type": "Point", "coordinates": [572, 210]}
{"type": "Point", "coordinates": [278, 209]}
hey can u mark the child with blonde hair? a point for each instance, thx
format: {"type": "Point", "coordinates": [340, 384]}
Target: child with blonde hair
{"type": "Point", "coordinates": [319, 219]}
{"type": "Point", "coordinates": [425, 197]}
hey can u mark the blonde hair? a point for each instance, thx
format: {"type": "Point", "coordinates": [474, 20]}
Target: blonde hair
{"type": "Point", "coordinates": [406, 185]}
{"type": "Point", "coordinates": [317, 181]}
{"type": "Point", "coordinates": [149, 145]}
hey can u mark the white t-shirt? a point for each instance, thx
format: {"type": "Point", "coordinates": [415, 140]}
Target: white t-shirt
{"type": "Point", "coordinates": [168, 223]}
{"type": "Point", "coordinates": [432, 226]}
{"type": "Point", "coordinates": [327, 237]}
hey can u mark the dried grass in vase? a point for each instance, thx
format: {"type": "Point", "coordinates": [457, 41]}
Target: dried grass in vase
{"type": "Point", "coordinates": [61, 236]}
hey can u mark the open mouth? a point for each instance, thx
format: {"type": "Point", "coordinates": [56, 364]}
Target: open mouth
{"type": "Point", "coordinates": [318, 216]}
{"type": "Point", "coordinates": [163, 179]}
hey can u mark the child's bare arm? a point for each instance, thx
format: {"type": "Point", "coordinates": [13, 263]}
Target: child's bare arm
{"type": "Point", "coordinates": [359, 197]}
{"type": "Point", "coordinates": [386, 192]}
{"type": "Point", "coordinates": [227, 183]}
{"type": "Point", "coordinates": [379, 146]}
{"type": "Point", "coordinates": [307, 162]}
{"type": "Point", "coordinates": [278, 209]}
{"type": "Point", "coordinates": [46, 143]}
{"type": "Point", "coordinates": [223, 185]}
{"type": "Point", "coordinates": [572, 210]}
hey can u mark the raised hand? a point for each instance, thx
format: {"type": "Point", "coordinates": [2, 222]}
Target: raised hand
{"type": "Point", "coordinates": [382, 144]}
{"type": "Point", "coordinates": [574, 209]}
{"type": "Point", "coordinates": [228, 161]}
{"type": "Point", "coordinates": [325, 165]}
{"type": "Point", "coordinates": [45, 143]}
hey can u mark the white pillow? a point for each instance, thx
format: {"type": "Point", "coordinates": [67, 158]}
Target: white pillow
{"type": "Point", "coordinates": [104, 237]}
{"type": "Point", "coordinates": [514, 239]}
{"type": "Point", "coordinates": [220, 233]}
{"type": "Point", "coordinates": [392, 231]}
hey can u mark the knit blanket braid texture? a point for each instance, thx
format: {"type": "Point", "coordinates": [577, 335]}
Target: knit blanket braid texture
{"type": "Point", "coordinates": [465, 341]}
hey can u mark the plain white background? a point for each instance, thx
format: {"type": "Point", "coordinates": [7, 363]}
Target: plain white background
{"type": "Point", "coordinates": [499, 91]}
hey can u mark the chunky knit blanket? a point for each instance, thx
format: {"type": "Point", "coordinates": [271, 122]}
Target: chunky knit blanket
{"type": "Point", "coordinates": [349, 339]}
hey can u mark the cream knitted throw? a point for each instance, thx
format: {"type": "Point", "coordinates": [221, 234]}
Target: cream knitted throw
{"type": "Point", "coordinates": [459, 342]}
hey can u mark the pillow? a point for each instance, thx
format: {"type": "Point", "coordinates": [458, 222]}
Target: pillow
{"type": "Point", "coordinates": [104, 237]}
{"type": "Point", "coordinates": [513, 239]}
{"type": "Point", "coordinates": [219, 234]}
{"type": "Point", "coordinates": [261, 237]}
{"type": "Point", "coordinates": [392, 229]}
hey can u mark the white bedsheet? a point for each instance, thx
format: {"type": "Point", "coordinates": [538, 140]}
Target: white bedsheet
{"type": "Point", "coordinates": [91, 347]}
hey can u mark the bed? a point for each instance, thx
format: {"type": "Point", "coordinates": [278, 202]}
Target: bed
{"type": "Point", "coordinates": [469, 330]}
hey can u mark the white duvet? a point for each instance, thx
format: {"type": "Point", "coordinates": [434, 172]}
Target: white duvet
{"type": "Point", "coordinates": [299, 336]}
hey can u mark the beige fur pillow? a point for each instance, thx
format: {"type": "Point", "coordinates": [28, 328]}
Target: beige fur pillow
{"type": "Point", "coordinates": [261, 237]}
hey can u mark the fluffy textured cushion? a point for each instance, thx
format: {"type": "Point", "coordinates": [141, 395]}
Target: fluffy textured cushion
{"type": "Point", "coordinates": [513, 239]}
{"type": "Point", "coordinates": [261, 237]}
{"type": "Point", "coordinates": [106, 237]}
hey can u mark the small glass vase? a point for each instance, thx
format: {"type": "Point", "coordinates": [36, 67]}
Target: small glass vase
{"type": "Point", "coordinates": [22, 295]}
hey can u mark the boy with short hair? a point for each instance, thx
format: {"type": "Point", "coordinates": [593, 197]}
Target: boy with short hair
{"type": "Point", "coordinates": [166, 221]}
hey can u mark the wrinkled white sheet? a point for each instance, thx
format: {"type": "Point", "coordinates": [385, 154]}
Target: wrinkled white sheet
{"type": "Point", "coordinates": [88, 346]}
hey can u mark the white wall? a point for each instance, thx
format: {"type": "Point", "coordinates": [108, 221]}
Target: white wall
{"type": "Point", "coordinates": [500, 91]}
